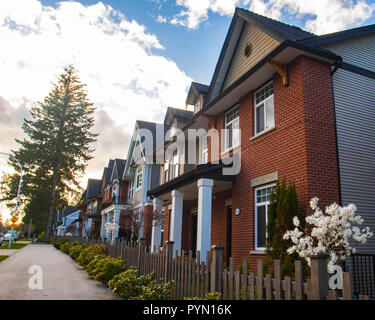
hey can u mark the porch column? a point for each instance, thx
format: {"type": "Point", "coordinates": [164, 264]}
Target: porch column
{"type": "Point", "coordinates": [156, 225]}
{"type": "Point", "coordinates": [204, 216]}
{"type": "Point", "coordinates": [108, 219]}
{"type": "Point", "coordinates": [104, 221]}
{"type": "Point", "coordinates": [116, 219]}
{"type": "Point", "coordinates": [176, 220]}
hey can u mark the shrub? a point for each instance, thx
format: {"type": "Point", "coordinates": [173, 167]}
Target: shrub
{"type": "Point", "coordinates": [92, 264]}
{"type": "Point", "coordinates": [58, 243]}
{"type": "Point", "coordinates": [208, 296]}
{"type": "Point", "coordinates": [41, 236]}
{"type": "Point", "coordinates": [132, 287]}
{"type": "Point", "coordinates": [65, 247]}
{"type": "Point", "coordinates": [106, 268]}
{"type": "Point", "coordinates": [75, 251]}
{"type": "Point", "coordinates": [89, 253]}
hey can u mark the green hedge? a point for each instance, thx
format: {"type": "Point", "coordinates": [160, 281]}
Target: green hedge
{"type": "Point", "coordinates": [106, 268]}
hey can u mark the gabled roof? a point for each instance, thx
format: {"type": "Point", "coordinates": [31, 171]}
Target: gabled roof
{"type": "Point", "coordinates": [339, 36]}
{"type": "Point", "coordinates": [177, 113]}
{"type": "Point", "coordinates": [69, 210]}
{"type": "Point", "coordinates": [196, 88]}
{"type": "Point", "coordinates": [108, 172]}
{"type": "Point", "coordinates": [287, 31]}
{"type": "Point", "coordinates": [118, 168]}
{"type": "Point", "coordinates": [93, 188]}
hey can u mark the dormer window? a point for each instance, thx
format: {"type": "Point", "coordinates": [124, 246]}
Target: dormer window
{"type": "Point", "coordinates": [131, 190]}
{"type": "Point", "coordinates": [139, 178]}
{"type": "Point", "coordinates": [173, 129]}
{"type": "Point", "coordinates": [198, 106]}
{"type": "Point", "coordinates": [114, 191]}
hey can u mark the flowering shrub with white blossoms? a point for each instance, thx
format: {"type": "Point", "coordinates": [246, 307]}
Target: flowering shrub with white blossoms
{"type": "Point", "coordinates": [330, 233]}
{"type": "Point", "coordinates": [111, 227]}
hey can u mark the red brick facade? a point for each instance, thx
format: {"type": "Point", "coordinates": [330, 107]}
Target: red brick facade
{"type": "Point", "coordinates": [301, 148]}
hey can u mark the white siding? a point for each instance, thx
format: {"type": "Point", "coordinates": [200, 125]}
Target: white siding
{"type": "Point", "coordinates": [262, 44]}
{"type": "Point", "coordinates": [359, 51]}
{"type": "Point", "coordinates": [355, 117]}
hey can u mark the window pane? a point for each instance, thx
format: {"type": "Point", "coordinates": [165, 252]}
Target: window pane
{"type": "Point", "coordinates": [261, 226]}
{"type": "Point", "coordinates": [231, 115]}
{"type": "Point", "coordinates": [264, 93]}
{"type": "Point", "coordinates": [260, 118]}
{"type": "Point", "coordinates": [236, 132]}
{"type": "Point", "coordinates": [270, 120]}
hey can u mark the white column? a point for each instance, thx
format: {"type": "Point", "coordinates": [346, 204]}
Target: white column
{"type": "Point", "coordinates": [108, 219]}
{"type": "Point", "coordinates": [104, 221]}
{"type": "Point", "coordinates": [204, 216]}
{"type": "Point", "coordinates": [156, 225]}
{"type": "Point", "coordinates": [176, 220]}
{"type": "Point", "coordinates": [116, 219]}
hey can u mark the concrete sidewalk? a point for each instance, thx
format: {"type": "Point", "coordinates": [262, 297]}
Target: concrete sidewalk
{"type": "Point", "coordinates": [63, 279]}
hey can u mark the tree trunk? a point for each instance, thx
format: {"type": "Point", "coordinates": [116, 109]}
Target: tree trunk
{"type": "Point", "coordinates": [51, 211]}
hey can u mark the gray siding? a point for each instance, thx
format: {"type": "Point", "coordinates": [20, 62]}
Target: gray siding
{"type": "Point", "coordinates": [359, 51]}
{"type": "Point", "coordinates": [355, 116]}
{"type": "Point", "coordinates": [262, 44]}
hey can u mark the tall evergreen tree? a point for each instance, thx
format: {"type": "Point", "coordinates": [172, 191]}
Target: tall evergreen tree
{"type": "Point", "coordinates": [56, 150]}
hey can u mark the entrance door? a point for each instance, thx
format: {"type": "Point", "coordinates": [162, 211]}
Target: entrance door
{"type": "Point", "coordinates": [195, 229]}
{"type": "Point", "coordinates": [229, 232]}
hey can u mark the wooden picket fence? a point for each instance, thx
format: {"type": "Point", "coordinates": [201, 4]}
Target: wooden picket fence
{"type": "Point", "coordinates": [195, 278]}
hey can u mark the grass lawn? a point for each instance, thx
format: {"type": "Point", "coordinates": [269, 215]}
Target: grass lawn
{"type": "Point", "coordinates": [2, 258]}
{"type": "Point", "coordinates": [5, 245]}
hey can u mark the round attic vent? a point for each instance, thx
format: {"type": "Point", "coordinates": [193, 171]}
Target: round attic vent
{"type": "Point", "coordinates": [248, 49]}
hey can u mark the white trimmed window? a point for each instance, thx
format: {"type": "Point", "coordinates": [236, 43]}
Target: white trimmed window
{"type": "Point", "coordinates": [176, 165]}
{"type": "Point", "coordinates": [131, 190]}
{"type": "Point", "coordinates": [264, 109]}
{"type": "Point", "coordinates": [166, 172]}
{"type": "Point", "coordinates": [232, 126]}
{"type": "Point", "coordinates": [139, 177]}
{"type": "Point", "coordinates": [114, 190]}
{"type": "Point", "coordinates": [198, 106]}
{"type": "Point", "coordinates": [262, 203]}
{"type": "Point", "coordinates": [204, 150]}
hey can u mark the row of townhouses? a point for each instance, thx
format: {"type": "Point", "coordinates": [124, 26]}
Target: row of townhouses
{"type": "Point", "coordinates": [286, 104]}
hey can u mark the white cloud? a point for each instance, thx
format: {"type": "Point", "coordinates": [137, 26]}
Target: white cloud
{"type": "Point", "coordinates": [115, 57]}
{"type": "Point", "coordinates": [161, 19]}
{"type": "Point", "coordinates": [323, 16]}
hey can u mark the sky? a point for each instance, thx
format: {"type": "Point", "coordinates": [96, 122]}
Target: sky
{"type": "Point", "coordinates": [137, 57]}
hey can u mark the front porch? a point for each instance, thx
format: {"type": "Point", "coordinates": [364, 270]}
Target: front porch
{"type": "Point", "coordinates": [197, 210]}
{"type": "Point", "coordinates": [111, 214]}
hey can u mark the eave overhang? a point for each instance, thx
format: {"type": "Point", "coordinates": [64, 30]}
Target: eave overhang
{"type": "Point", "coordinates": [208, 171]}
{"type": "Point", "coordinates": [257, 76]}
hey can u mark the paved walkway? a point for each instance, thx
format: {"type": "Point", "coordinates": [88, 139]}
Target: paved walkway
{"type": "Point", "coordinates": [63, 279]}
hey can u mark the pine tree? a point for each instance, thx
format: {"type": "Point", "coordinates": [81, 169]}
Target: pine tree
{"type": "Point", "coordinates": [283, 208]}
{"type": "Point", "coordinates": [56, 150]}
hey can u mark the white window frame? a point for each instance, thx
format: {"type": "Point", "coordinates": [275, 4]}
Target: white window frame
{"type": "Point", "coordinates": [131, 190]}
{"type": "Point", "coordinates": [198, 106]}
{"type": "Point", "coordinates": [256, 205]}
{"type": "Point", "coordinates": [114, 191]}
{"type": "Point", "coordinates": [204, 150]}
{"type": "Point", "coordinates": [264, 103]}
{"type": "Point", "coordinates": [231, 123]}
{"type": "Point", "coordinates": [139, 181]}
{"type": "Point", "coordinates": [176, 165]}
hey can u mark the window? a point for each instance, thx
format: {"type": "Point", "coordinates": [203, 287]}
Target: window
{"type": "Point", "coordinates": [131, 190]}
{"type": "Point", "coordinates": [232, 126]}
{"type": "Point", "coordinates": [198, 106]}
{"type": "Point", "coordinates": [139, 177]}
{"type": "Point", "coordinates": [166, 172]}
{"type": "Point", "coordinates": [114, 191]}
{"type": "Point", "coordinates": [264, 109]}
{"type": "Point", "coordinates": [176, 165]}
{"type": "Point", "coordinates": [204, 150]}
{"type": "Point", "coordinates": [262, 203]}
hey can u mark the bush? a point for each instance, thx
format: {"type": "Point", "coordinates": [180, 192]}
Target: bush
{"type": "Point", "coordinates": [208, 296]}
{"type": "Point", "coordinates": [58, 243]}
{"type": "Point", "coordinates": [75, 251]}
{"type": "Point", "coordinates": [105, 268]}
{"type": "Point", "coordinates": [65, 247]}
{"type": "Point", "coordinates": [41, 236]}
{"type": "Point", "coordinates": [132, 287]}
{"type": "Point", "coordinates": [89, 253]}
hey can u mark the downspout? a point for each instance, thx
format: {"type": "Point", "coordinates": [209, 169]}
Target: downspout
{"type": "Point", "coordinates": [336, 65]}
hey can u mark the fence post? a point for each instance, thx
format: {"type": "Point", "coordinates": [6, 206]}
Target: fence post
{"type": "Point", "coordinates": [168, 260]}
{"type": "Point", "coordinates": [216, 268]}
{"type": "Point", "coordinates": [141, 244]}
{"type": "Point", "coordinates": [319, 277]}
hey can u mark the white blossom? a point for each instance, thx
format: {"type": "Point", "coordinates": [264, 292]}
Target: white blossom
{"type": "Point", "coordinates": [330, 233]}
